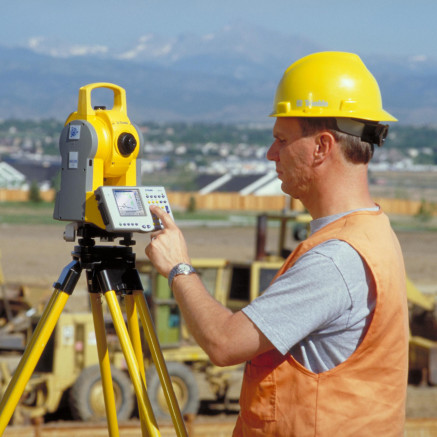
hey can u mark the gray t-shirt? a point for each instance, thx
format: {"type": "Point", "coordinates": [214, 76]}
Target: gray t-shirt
{"type": "Point", "coordinates": [319, 309]}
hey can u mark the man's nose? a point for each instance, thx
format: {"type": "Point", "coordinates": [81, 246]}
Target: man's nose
{"type": "Point", "coordinates": [272, 152]}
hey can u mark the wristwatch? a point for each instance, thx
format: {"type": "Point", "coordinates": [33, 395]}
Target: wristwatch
{"type": "Point", "coordinates": [180, 269]}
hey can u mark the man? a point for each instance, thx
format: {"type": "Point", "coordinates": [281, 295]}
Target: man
{"type": "Point", "coordinates": [326, 344]}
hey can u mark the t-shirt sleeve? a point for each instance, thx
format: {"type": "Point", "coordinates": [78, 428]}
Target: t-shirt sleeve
{"type": "Point", "coordinates": [305, 299]}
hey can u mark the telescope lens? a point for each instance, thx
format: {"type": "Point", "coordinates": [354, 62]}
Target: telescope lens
{"type": "Point", "coordinates": [126, 143]}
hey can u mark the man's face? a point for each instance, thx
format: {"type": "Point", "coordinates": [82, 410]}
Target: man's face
{"type": "Point", "coordinates": [293, 155]}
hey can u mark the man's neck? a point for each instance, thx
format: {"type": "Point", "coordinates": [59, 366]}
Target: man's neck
{"type": "Point", "coordinates": [339, 193]}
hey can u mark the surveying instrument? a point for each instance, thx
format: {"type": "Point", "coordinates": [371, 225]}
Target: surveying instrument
{"type": "Point", "coordinates": [101, 198]}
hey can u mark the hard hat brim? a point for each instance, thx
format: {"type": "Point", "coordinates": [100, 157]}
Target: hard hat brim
{"type": "Point", "coordinates": [377, 116]}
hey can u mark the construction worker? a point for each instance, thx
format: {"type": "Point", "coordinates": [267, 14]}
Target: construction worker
{"type": "Point", "coordinates": [326, 344]}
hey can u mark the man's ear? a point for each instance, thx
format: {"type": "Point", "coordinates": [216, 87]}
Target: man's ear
{"type": "Point", "coordinates": [324, 143]}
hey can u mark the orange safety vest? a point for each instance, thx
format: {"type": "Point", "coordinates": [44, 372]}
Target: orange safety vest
{"type": "Point", "coordinates": [363, 396]}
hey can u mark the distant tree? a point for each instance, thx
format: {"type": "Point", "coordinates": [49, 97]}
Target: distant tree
{"type": "Point", "coordinates": [426, 211]}
{"type": "Point", "coordinates": [423, 159]}
{"type": "Point", "coordinates": [170, 163]}
{"type": "Point", "coordinates": [34, 193]}
{"type": "Point", "coordinates": [56, 182]}
{"type": "Point", "coordinates": [191, 207]}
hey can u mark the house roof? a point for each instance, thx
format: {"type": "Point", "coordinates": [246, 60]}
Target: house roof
{"type": "Point", "coordinates": [36, 171]}
{"type": "Point", "coordinates": [9, 176]}
{"type": "Point", "coordinates": [238, 183]}
{"type": "Point", "coordinates": [205, 179]}
{"type": "Point", "coordinates": [242, 183]}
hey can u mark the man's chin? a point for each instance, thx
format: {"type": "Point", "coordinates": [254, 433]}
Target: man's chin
{"type": "Point", "coordinates": [289, 191]}
{"type": "Point", "coordinates": [285, 189]}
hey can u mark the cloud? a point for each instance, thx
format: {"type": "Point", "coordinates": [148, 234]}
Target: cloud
{"type": "Point", "coordinates": [418, 58]}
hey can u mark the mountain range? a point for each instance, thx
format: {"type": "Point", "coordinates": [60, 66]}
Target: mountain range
{"type": "Point", "coordinates": [228, 76]}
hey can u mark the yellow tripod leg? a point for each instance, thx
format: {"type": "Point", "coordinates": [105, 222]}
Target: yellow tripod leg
{"type": "Point", "coordinates": [105, 369]}
{"type": "Point", "coordinates": [132, 364]}
{"type": "Point", "coordinates": [159, 361]}
{"type": "Point", "coordinates": [31, 356]}
{"type": "Point", "coordinates": [134, 333]}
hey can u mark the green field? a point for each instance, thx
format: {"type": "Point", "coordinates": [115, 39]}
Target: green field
{"type": "Point", "coordinates": [27, 213]}
{"type": "Point", "coordinates": [42, 213]}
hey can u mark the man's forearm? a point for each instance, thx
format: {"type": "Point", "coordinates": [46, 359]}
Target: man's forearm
{"type": "Point", "coordinates": [228, 338]}
{"type": "Point", "coordinates": [204, 316]}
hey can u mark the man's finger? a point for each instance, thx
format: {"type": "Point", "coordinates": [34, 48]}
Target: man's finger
{"type": "Point", "coordinates": [163, 216]}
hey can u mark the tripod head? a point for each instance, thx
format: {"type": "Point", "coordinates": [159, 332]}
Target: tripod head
{"type": "Point", "coordinates": [88, 233]}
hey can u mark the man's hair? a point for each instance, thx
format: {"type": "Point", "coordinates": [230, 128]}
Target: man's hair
{"type": "Point", "coordinates": [354, 150]}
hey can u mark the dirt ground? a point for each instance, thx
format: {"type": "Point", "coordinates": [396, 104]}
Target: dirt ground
{"type": "Point", "coordinates": [36, 255]}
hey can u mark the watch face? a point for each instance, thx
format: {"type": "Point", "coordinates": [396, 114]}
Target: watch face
{"type": "Point", "coordinates": [184, 268]}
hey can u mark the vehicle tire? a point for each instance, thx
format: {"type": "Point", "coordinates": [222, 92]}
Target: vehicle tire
{"type": "Point", "coordinates": [300, 232]}
{"type": "Point", "coordinates": [86, 399]}
{"type": "Point", "coordinates": [184, 385]}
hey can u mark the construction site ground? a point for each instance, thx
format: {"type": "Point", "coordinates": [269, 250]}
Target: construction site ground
{"type": "Point", "coordinates": [34, 256]}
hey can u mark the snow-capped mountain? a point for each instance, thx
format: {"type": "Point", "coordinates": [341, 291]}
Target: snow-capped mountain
{"type": "Point", "coordinates": [227, 76]}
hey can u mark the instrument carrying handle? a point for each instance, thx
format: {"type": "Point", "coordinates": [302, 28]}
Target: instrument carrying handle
{"type": "Point", "coordinates": [84, 107]}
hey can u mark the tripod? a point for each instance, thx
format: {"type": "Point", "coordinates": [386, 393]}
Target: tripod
{"type": "Point", "coordinates": [110, 270]}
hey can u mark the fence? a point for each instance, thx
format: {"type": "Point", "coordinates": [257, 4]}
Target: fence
{"type": "Point", "coordinates": [237, 202]}
{"type": "Point", "coordinates": [227, 201]}
{"type": "Point", "coordinates": [234, 201]}
{"type": "Point", "coordinates": [10, 195]}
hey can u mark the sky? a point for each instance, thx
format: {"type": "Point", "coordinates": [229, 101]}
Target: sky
{"type": "Point", "coordinates": [370, 27]}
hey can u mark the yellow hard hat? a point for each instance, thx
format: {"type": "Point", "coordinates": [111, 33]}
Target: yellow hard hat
{"type": "Point", "coordinates": [329, 84]}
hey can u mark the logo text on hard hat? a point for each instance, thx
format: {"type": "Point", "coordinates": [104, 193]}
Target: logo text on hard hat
{"type": "Point", "coordinates": [310, 103]}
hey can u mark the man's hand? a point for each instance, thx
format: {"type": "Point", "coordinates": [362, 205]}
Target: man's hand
{"type": "Point", "coordinates": [167, 247]}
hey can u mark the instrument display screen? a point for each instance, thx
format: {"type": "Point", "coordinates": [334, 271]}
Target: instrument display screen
{"type": "Point", "coordinates": [129, 203]}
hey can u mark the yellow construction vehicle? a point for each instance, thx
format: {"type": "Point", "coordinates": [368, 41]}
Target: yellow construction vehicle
{"type": "Point", "coordinates": [423, 337]}
{"type": "Point", "coordinates": [67, 375]}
